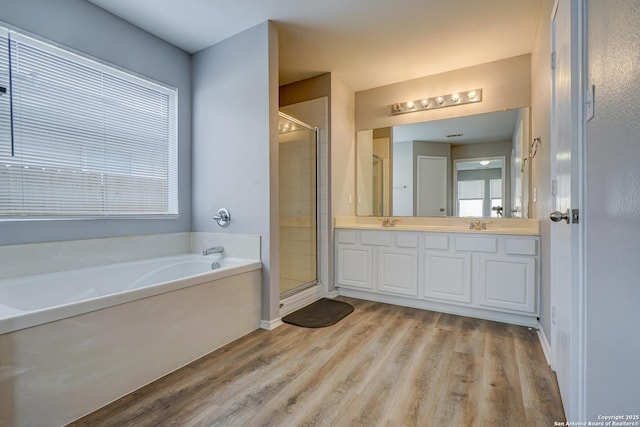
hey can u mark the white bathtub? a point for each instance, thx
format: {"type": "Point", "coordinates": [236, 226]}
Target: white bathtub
{"type": "Point", "coordinates": [74, 341]}
{"type": "Point", "coordinates": [33, 300]}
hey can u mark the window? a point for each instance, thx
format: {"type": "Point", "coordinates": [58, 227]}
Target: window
{"type": "Point", "coordinates": [479, 186]}
{"type": "Point", "coordinates": [470, 198]}
{"type": "Point", "coordinates": [82, 139]}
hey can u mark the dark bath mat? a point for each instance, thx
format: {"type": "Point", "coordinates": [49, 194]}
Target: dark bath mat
{"type": "Point", "coordinates": [324, 312]}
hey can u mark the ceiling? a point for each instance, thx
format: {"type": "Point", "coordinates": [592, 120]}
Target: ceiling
{"type": "Point", "coordinates": [366, 43]}
{"type": "Point", "coordinates": [487, 127]}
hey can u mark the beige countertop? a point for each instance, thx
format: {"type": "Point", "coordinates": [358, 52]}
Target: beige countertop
{"type": "Point", "coordinates": [529, 227]}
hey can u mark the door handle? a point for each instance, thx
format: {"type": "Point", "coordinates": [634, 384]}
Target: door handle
{"type": "Point", "coordinates": [557, 216]}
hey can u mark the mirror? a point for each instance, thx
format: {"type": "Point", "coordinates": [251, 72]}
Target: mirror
{"type": "Point", "coordinates": [463, 166]}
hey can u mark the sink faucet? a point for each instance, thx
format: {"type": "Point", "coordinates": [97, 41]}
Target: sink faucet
{"type": "Point", "coordinates": [478, 225]}
{"type": "Point", "coordinates": [389, 222]}
{"type": "Point", "coordinates": [213, 250]}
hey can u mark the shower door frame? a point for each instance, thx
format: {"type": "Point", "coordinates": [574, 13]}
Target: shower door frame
{"type": "Point", "coordinates": [307, 285]}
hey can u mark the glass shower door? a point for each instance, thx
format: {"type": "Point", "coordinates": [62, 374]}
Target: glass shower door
{"type": "Point", "coordinates": [298, 205]}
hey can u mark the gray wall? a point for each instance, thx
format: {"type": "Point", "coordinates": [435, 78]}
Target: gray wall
{"type": "Point", "coordinates": [235, 151]}
{"type": "Point", "coordinates": [612, 214]}
{"type": "Point", "coordinates": [86, 28]}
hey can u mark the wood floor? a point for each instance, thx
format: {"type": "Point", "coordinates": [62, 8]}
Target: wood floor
{"type": "Point", "coordinates": [382, 365]}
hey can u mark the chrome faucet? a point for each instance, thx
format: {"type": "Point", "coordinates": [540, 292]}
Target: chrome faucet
{"type": "Point", "coordinates": [213, 250]}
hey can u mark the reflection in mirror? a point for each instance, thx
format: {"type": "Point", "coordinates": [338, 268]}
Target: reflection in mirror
{"type": "Point", "coordinates": [413, 169]}
{"type": "Point", "coordinates": [479, 187]}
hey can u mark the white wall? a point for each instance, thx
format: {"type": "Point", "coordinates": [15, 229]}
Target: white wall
{"type": "Point", "coordinates": [235, 151]}
{"type": "Point", "coordinates": [612, 214]}
{"type": "Point", "coordinates": [80, 25]}
{"type": "Point", "coordinates": [343, 151]}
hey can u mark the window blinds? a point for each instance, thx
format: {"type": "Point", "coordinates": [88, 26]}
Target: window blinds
{"type": "Point", "coordinates": [84, 139]}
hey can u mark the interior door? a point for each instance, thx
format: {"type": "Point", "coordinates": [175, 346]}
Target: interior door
{"type": "Point", "coordinates": [432, 186]}
{"type": "Point", "coordinates": [565, 167]}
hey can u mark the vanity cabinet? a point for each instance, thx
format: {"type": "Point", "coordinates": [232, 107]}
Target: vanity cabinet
{"type": "Point", "coordinates": [476, 274]}
{"type": "Point", "coordinates": [355, 260]}
{"type": "Point", "coordinates": [447, 276]}
{"type": "Point", "coordinates": [398, 271]}
{"type": "Point", "coordinates": [395, 270]}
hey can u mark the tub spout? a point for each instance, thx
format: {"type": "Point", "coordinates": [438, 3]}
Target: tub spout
{"type": "Point", "coordinates": [213, 250]}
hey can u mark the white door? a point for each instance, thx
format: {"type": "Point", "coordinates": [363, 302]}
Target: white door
{"type": "Point", "coordinates": [432, 186]}
{"type": "Point", "coordinates": [566, 137]}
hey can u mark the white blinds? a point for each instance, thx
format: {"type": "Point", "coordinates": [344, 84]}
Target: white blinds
{"type": "Point", "coordinates": [87, 139]}
{"type": "Point", "coordinates": [469, 190]}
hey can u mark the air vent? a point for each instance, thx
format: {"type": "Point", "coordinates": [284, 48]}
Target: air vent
{"type": "Point", "coordinates": [454, 135]}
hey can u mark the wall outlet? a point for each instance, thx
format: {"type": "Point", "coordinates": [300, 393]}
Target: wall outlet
{"type": "Point", "coordinates": [350, 198]}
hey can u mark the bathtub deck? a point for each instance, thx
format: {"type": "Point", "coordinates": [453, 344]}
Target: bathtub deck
{"type": "Point", "coordinates": [382, 365]}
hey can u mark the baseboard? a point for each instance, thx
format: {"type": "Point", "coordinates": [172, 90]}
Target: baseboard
{"type": "Point", "coordinates": [333, 294]}
{"type": "Point", "coordinates": [270, 325]}
{"type": "Point", "coordinates": [302, 299]}
{"type": "Point", "coordinates": [544, 343]}
{"type": "Point", "coordinates": [529, 321]}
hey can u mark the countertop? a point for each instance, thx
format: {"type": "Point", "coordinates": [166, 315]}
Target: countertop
{"type": "Point", "coordinates": [515, 226]}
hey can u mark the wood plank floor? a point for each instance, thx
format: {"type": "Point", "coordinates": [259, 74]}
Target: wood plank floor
{"type": "Point", "coordinates": [383, 365]}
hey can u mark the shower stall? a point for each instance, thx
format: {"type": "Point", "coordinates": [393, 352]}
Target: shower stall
{"type": "Point", "coordinates": [298, 154]}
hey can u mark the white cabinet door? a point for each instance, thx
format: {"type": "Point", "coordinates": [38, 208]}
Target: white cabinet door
{"type": "Point", "coordinates": [447, 276]}
{"type": "Point", "coordinates": [354, 266]}
{"type": "Point", "coordinates": [398, 271]}
{"type": "Point", "coordinates": [508, 283]}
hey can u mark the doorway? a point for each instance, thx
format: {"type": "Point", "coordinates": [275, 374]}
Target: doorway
{"type": "Point", "coordinates": [298, 147]}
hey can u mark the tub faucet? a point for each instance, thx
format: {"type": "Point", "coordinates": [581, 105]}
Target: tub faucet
{"type": "Point", "coordinates": [213, 250]}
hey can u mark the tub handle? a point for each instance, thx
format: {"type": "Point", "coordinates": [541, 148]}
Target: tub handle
{"type": "Point", "coordinates": [223, 218]}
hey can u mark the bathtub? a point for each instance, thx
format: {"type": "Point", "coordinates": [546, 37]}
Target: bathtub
{"type": "Point", "coordinates": [33, 300]}
{"type": "Point", "coordinates": [73, 341]}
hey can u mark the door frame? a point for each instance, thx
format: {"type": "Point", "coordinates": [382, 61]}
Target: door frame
{"type": "Point", "coordinates": [576, 401]}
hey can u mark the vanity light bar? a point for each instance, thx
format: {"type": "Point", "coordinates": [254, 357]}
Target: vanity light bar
{"type": "Point", "coordinates": [441, 101]}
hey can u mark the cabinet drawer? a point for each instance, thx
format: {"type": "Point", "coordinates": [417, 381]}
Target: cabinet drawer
{"type": "Point", "coordinates": [476, 244]}
{"type": "Point", "coordinates": [406, 240]}
{"type": "Point", "coordinates": [521, 246]}
{"type": "Point", "coordinates": [436, 242]}
{"type": "Point", "coordinates": [346, 236]}
{"type": "Point", "coordinates": [375, 238]}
